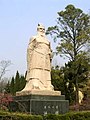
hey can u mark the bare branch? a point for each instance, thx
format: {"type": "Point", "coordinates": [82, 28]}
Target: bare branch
{"type": "Point", "coordinates": [3, 67]}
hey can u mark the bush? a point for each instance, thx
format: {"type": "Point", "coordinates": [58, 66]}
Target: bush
{"type": "Point", "coordinates": [84, 115]}
{"type": "Point", "coordinates": [18, 116]}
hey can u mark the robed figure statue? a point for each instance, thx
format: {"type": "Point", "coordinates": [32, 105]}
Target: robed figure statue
{"type": "Point", "coordinates": [39, 57]}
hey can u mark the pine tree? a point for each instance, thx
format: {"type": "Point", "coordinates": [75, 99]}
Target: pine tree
{"type": "Point", "coordinates": [17, 82]}
{"type": "Point", "coordinates": [72, 29]}
{"type": "Point", "coordinates": [12, 86]}
{"type": "Point", "coordinates": [7, 87]}
{"type": "Point", "coordinates": [22, 82]}
{"type": "Point", "coordinates": [57, 78]}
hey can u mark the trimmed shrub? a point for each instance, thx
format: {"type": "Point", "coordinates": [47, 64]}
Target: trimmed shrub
{"type": "Point", "coordinates": [83, 115]}
{"type": "Point", "coordinates": [18, 116]}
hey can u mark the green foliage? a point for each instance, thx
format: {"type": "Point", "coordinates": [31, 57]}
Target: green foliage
{"type": "Point", "coordinates": [84, 115]}
{"type": "Point", "coordinates": [22, 82]}
{"type": "Point", "coordinates": [72, 29]}
{"type": "Point", "coordinates": [75, 75]}
{"type": "Point", "coordinates": [7, 87]}
{"type": "Point", "coordinates": [57, 78]}
{"type": "Point", "coordinates": [78, 69]}
{"type": "Point", "coordinates": [70, 116]}
{"type": "Point", "coordinates": [12, 86]}
{"type": "Point", "coordinates": [60, 78]}
{"type": "Point", "coordinates": [19, 116]}
{"type": "Point", "coordinates": [16, 84]}
{"type": "Point", "coordinates": [51, 117]}
{"type": "Point", "coordinates": [64, 78]}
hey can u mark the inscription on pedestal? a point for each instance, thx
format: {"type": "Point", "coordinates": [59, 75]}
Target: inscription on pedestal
{"type": "Point", "coordinates": [52, 107]}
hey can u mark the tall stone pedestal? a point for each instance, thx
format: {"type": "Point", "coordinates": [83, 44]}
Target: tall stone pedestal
{"type": "Point", "coordinates": [40, 104]}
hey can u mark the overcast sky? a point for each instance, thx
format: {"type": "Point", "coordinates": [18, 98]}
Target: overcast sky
{"type": "Point", "coordinates": [18, 22]}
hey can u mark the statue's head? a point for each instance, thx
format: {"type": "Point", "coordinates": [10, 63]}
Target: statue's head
{"type": "Point", "coordinates": [41, 29]}
{"type": "Point", "coordinates": [40, 26]}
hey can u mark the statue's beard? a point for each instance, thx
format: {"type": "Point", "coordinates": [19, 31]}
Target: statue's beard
{"type": "Point", "coordinates": [41, 33]}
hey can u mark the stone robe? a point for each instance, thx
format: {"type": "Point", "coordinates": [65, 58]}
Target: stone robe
{"type": "Point", "coordinates": [38, 63]}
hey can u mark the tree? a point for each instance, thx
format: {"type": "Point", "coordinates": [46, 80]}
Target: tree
{"type": "Point", "coordinates": [17, 82]}
{"type": "Point", "coordinates": [57, 78]}
{"type": "Point", "coordinates": [69, 82]}
{"type": "Point", "coordinates": [22, 82]}
{"type": "Point", "coordinates": [73, 32]}
{"type": "Point", "coordinates": [12, 86]}
{"type": "Point", "coordinates": [3, 84]}
{"type": "Point", "coordinates": [7, 87]}
{"type": "Point", "coordinates": [75, 70]}
{"type": "Point", "coordinates": [3, 67]}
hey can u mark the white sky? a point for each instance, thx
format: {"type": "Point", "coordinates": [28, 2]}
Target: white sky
{"type": "Point", "coordinates": [18, 22]}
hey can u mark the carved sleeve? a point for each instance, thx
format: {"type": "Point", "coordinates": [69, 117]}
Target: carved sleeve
{"type": "Point", "coordinates": [30, 49]}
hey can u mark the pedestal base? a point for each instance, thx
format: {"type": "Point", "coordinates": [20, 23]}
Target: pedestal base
{"type": "Point", "coordinates": [39, 92]}
{"type": "Point", "coordinates": [40, 104]}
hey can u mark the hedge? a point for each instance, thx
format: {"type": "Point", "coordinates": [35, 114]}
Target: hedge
{"type": "Point", "coordinates": [82, 115]}
{"type": "Point", "coordinates": [18, 116]}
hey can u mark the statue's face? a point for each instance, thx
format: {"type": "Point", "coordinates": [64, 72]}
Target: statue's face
{"type": "Point", "coordinates": [41, 31]}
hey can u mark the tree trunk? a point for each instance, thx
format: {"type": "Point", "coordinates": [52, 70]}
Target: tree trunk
{"type": "Point", "coordinates": [77, 95]}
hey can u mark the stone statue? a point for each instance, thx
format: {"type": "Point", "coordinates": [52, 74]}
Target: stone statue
{"type": "Point", "coordinates": [39, 57]}
{"type": "Point", "coordinates": [38, 96]}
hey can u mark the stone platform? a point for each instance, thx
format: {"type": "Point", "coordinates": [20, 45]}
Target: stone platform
{"type": "Point", "coordinates": [38, 92]}
{"type": "Point", "coordinates": [40, 103]}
